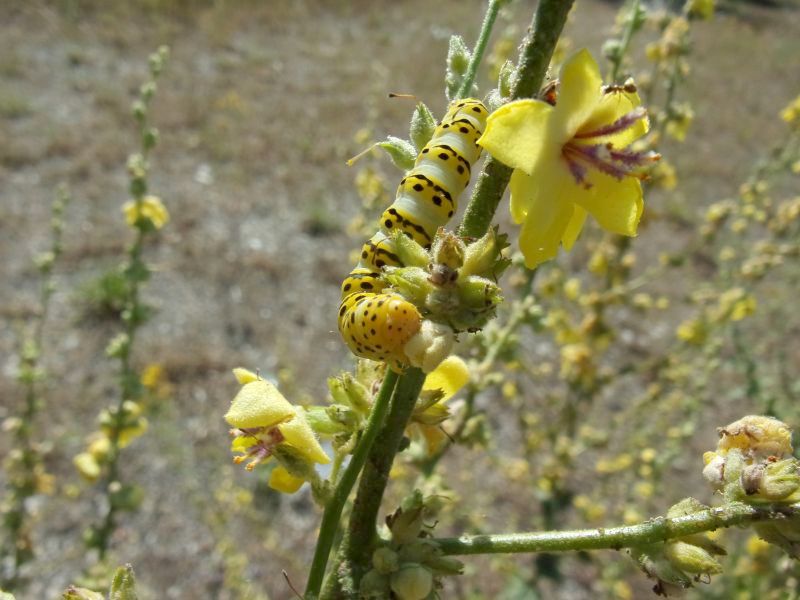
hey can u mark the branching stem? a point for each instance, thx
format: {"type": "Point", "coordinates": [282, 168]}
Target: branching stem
{"type": "Point", "coordinates": [653, 531]}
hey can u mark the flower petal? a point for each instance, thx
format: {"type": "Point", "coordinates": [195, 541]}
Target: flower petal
{"type": "Point", "coordinates": [450, 376]}
{"type": "Point", "coordinates": [574, 227]}
{"type": "Point", "coordinates": [280, 479]}
{"type": "Point", "coordinates": [545, 227]}
{"type": "Point", "coordinates": [258, 404]}
{"type": "Point", "coordinates": [299, 435]}
{"type": "Point", "coordinates": [517, 133]}
{"type": "Point", "coordinates": [616, 204]}
{"type": "Point", "coordinates": [611, 107]}
{"type": "Point", "coordinates": [579, 93]}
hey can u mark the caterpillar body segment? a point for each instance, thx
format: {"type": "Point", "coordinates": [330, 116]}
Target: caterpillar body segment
{"type": "Point", "coordinates": [376, 324]}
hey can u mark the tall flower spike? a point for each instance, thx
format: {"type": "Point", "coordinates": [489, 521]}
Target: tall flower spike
{"type": "Point", "coordinates": [572, 159]}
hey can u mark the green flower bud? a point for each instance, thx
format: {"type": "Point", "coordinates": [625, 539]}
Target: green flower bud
{"type": "Point", "coordinates": [410, 253]}
{"type": "Point", "coordinates": [691, 559]}
{"type": "Point", "coordinates": [612, 49]}
{"type": "Point", "coordinates": [412, 582]}
{"type": "Point", "coordinates": [127, 497]}
{"type": "Point", "coordinates": [506, 78]}
{"type": "Point", "coordinates": [423, 124]}
{"type": "Point", "coordinates": [374, 585]}
{"type": "Point", "coordinates": [448, 250]}
{"type": "Point", "coordinates": [774, 482]}
{"type": "Point", "coordinates": [123, 585]}
{"type": "Point", "coordinates": [402, 152]}
{"type": "Point", "coordinates": [385, 560]}
{"type": "Point", "coordinates": [406, 522]}
{"type": "Point", "coordinates": [76, 593]}
{"type": "Point", "coordinates": [329, 420]}
{"type": "Point", "coordinates": [483, 257]}
{"type": "Point", "coordinates": [412, 282]}
{"type": "Point", "coordinates": [350, 392]}
{"type": "Point", "coordinates": [479, 295]}
{"type": "Point", "coordinates": [458, 57]}
{"type": "Point", "coordinates": [118, 346]}
{"type": "Point", "coordinates": [784, 534]}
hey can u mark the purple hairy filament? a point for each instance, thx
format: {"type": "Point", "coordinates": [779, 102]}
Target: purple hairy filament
{"type": "Point", "coordinates": [264, 441]}
{"type": "Point", "coordinates": [581, 155]}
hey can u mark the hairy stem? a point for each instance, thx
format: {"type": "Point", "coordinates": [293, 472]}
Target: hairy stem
{"type": "Point", "coordinates": [655, 530]}
{"type": "Point", "coordinates": [537, 50]}
{"type": "Point", "coordinates": [480, 47]}
{"type": "Point", "coordinates": [357, 547]}
{"type": "Point", "coordinates": [333, 510]}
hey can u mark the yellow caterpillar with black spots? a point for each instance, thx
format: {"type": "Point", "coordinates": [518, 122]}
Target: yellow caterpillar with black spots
{"type": "Point", "coordinates": [377, 324]}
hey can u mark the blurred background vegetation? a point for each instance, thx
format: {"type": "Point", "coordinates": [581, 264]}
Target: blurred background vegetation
{"type": "Point", "coordinates": [260, 106]}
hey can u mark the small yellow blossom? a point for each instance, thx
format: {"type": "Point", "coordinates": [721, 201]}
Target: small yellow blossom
{"type": "Point", "coordinates": [152, 375]}
{"type": "Point", "coordinates": [679, 122]}
{"type": "Point", "coordinates": [149, 209]}
{"type": "Point", "coordinates": [448, 378]}
{"type": "Point", "coordinates": [791, 114]}
{"type": "Point", "coordinates": [571, 159]}
{"type": "Point", "coordinates": [265, 423]}
{"type": "Point", "coordinates": [281, 480]}
{"type": "Point", "coordinates": [702, 9]}
{"type": "Point", "coordinates": [87, 466]}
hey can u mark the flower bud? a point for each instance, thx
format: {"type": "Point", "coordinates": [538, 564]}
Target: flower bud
{"type": "Point", "coordinates": [412, 582]}
{"type": "Point", "coordinates": [784, 534]}
{"type": "Point", "coordinates": [506, 79]}
{"type": "Point", "coordinates": [350, 392]}
{"type": "Point", "coordinates": [374, 585]}
{"type": "Point", "coordinates": [402, 152]}
{"type": "Point", "coordinates": [385, 560]}
{"type": "Point", "coordinates": [76, 593]}
{"type": "Point", "coordinates": [410, 253]}
{"type": "Point", "coordinates": [430, 345]}
{"type": "Point", "coordinates": [423, 124]}
{"type": "Point", "coordinates": [691, 559]}
{"type": "Point", "coordinates": [123, 584]}
{"type": "Point", "coordinates": [776, 482]}
{"type": "Point", "coordinates": [483, 257]}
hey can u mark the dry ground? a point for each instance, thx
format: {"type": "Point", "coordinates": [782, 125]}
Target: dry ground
{"type": "Point", "coordinates": [257, 110]}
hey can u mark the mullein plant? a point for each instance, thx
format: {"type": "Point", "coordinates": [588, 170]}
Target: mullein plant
{"type": "Point", "coordinates": [24, 464]}
{"type": "Point", "coordinates": [123, 422]}
{"type": "Point", "coordinates": [569, 151]}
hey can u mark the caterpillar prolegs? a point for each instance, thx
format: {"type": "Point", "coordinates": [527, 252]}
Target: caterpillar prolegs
{"type": "Point", "coordinates": [376, 324]}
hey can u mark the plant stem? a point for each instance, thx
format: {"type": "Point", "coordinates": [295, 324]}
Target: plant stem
{"type": "Point", "coordinates": [357, 547]}
{"type": "Point", "coordinates": [627, 36]}
{"type": "Point", "coordinates": [537, 50]}
{"type": "Point", "coordinates": [653, 531]}
{"type": "Point", "coordinates": [333, 510]}
{"type": "Point", "coordinates": [534, 59]}
{"type": "Point", "coordinates": [480, 48]}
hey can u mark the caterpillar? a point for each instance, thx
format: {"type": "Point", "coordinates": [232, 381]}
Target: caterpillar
{"type": "Point", "coordinates": [377, 324]}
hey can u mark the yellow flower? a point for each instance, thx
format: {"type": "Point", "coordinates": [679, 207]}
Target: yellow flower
{"type": "Point", "coordinates": [266, 424]}
{"type": "Point", "coordinates": [149, 209]}
{"type": "Point", "coordinates": [571, 159]}
{"type": "Point", "coordinates": [791, 114]}
{"type": "Point", "coordinates": [447, 379]}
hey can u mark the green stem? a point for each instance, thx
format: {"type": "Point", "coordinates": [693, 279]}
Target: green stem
{"type": "Point", "coordinates": [537, 50]}
{"type": "Point", "coordinates": [357, 547]}
{"type": "Point", "coordinates": [627, 36]}
{"type": "Point", "coordinates": [653, 531]}
{"type": "Point", "coordinates": [333, 510]}
{"type": "Point", "coordinates": [480, 48]}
